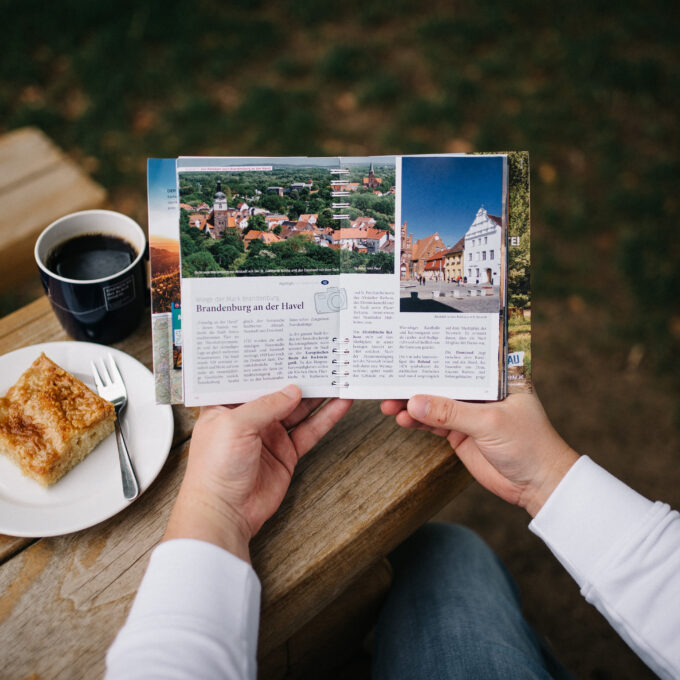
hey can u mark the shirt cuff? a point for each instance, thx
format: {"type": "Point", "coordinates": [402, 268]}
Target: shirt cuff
{"type": "Point", "coordinates": [187, 578]}
{"type": "Point", "coordinates": [588, 513]}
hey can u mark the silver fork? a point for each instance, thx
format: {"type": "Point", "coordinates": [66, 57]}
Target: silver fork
{"type": "Point", "coordinates": [111, 387]}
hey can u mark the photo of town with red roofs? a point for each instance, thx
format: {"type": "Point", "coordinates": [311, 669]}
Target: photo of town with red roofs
{"type": "Point", "coordinates": [452, 239]}
{"type": "Point", "coordinates": [287, 220]}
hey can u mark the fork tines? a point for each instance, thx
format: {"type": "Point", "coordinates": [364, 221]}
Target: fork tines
{"type": "Point", "coordinates": [97, 378]}
{"type": "Point", "coordinates": [106, 377]}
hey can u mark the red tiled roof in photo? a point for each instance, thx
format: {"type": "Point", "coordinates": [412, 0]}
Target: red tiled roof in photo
{"type": "Point", "coordinates": [363, 222]}
{"type": "Point", "coordinates": [457, 248]}
{"type": "Point", "coordinates": [425, 247]}
{"type": "Point", "coordinates": [434, 265]}
{"type": "Point", "coordinates": [264, 236]}
{"type": "Point", "coordinates": [268, 237]}
{"type": "Point", "coordinates": [353, 233]}
{"type": "Point", "coordinates": [197, 220]}
{"type": "Point", "coordinates": [376, 234]}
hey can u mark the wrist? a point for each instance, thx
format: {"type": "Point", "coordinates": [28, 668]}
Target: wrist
{"type": "Point", "coordinates": [546, 481]}
{"type": "Point", "coordinates": [196, 515]}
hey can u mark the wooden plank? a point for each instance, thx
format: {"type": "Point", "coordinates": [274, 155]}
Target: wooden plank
{"type": "Point", "coordinates": [36, 323]}
{"type": "Point", "coordinates": [24, 153]}
{"type": "Point", "coordinates": [11, 545]}
{"type": "Point", "coordinates": [34, 194]}
{"type": "Point", "coordinates": [274, 666]}
{"type": "Point", "coordinates": [30, 325]}
{"type": "Point", "coordinates": [354, 498]}
{"type": "Point", "coordinates": [75, 591]}
{"type": "Point", "coordinates": [333, 637]}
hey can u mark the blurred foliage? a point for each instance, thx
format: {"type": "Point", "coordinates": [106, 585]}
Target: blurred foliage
{"type": "Point", "coordinates": [590, 89]}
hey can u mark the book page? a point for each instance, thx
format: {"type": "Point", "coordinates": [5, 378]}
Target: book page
{"type": "Point", "coordinates": [262, 255]}
{"type": "Point", "coordinates": [249, 337]}
{"type": "Point", "coordinates": [436, 325]}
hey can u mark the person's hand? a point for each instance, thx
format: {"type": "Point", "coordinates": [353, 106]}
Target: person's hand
{"type": "Point", "coordinates": [509, 446]}
{"type": "Point", "coordinates": [241, 460]}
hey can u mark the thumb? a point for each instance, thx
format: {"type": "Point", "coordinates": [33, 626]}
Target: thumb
{"type": "Point", "coordinates": [440, 412]}
{"type": "Point", "coordinates": [270, 408]}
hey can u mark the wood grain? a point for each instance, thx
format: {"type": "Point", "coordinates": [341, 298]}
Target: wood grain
{"type": "Point", "coordinates": [353, 498]}
{"type": "Point", "coordinates": [24, 154]}
{"type": "Point", "coordinates": [73, 592]}
{"type": "Point", "coordinates": [351, 501]}
{"type": "Point", "coordinates": [38, 184]}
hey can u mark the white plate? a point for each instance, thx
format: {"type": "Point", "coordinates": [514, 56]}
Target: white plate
{"type": "Point", "coordinates": [91, 492]}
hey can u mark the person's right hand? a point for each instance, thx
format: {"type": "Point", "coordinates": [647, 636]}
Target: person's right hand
{"type": "Point", "coordinates": [509, 446]}
{"type": "Point", "coordinates": [241, 461]}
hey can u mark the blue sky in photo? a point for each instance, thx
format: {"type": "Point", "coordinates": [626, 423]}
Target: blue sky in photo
{"type": "Point", "coordinates": [161, 176]}
{"type": "Point", "coordinates": [443, 194]}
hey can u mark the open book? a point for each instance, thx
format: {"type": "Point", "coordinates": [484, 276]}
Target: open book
{"type": "Point", "coordinates": [363, 277]}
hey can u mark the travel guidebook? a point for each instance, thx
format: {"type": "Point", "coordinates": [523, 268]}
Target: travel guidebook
{"type": "Point", "coordinates": [363, 277]}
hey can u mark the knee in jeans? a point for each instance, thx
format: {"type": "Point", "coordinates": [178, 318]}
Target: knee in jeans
{"type": "Point", "coordinates": [453, 538]}
{"type": "Point", "coordinates": [447, 544]}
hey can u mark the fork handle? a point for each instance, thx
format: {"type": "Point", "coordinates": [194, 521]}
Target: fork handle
{"type": "Point", "coordinates": [130, 485]}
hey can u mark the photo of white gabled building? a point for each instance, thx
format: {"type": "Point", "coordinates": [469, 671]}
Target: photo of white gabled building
{"type": "Point", "coordinates": [482, 259]}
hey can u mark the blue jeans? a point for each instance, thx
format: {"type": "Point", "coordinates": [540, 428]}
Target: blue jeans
{"type": "Point", "coordinates": [454, 612]}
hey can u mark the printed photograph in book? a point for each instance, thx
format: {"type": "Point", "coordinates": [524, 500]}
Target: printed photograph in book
{"type": "Point", "coordinates": [165, 286]}
{"type": "Point", "coordinates": [519, 273]}
{"type": "Point", "coordinates": [284, 221]}
{"type": "Point", "coordinates": [452, 235]}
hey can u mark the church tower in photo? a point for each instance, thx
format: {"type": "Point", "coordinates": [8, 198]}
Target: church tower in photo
{"type": "Point", "coordinates": [371, 182]}
{"type": "Point", "coordinates": [220, 215]}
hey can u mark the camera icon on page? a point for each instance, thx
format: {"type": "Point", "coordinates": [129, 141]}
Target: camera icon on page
{"type": "Point", "coordinates": [330, 300]}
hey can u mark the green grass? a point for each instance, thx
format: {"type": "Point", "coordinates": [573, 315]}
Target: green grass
{"type": "Point", "coordinates": [518, 324]}
{"type": "Point", "coordinates": [592, 90]}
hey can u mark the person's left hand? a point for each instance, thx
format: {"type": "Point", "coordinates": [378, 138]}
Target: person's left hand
{"type": "Point", "coordinates": [241, 461]}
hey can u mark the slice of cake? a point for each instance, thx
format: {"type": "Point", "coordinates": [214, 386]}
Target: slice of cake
{"type": "Point", "coordinates": [50, 421]}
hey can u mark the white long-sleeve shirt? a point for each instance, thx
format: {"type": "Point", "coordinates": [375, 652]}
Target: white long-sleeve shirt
{"type": "Point", "coordinates": [624, 552]}
{"type": "Point", "coordinates": [197, 610]}
{"type": "Point", "coordinates": [196, 615]}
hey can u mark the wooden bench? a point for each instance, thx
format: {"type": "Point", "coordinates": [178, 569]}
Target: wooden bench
{"type": "Point", "coordinates": [38, 184]}
{"type": "Point", "coordinates": [355, 497]}
{"type": "Point", "coordinates": [321, 558]}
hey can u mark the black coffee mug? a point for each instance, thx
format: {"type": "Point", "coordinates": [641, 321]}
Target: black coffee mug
{"type": "Point", "coordinates": [105, 309]}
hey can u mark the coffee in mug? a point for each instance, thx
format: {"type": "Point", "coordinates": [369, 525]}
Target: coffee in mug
{"type": "Point", "coordinates": [91, 256]}
{"type": "Point", "coordinates": [92, 268]}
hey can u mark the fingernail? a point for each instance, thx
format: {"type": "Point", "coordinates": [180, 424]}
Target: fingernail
{"type": "Point", "coordinates": [418, 406]}
{"type": "Point", "coordinates": [291, 391]}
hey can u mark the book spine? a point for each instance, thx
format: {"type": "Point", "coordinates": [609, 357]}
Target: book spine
{"type": "Point", "coordinates": [341, 362]}
{"type": "Point", "coordinates": [341, 347]}
{"type": "Point", "coordinates": [339, 193]}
